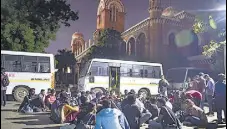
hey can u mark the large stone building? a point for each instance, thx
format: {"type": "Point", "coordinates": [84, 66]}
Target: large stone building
{"type": "Point", "coordinates": [165, 36]}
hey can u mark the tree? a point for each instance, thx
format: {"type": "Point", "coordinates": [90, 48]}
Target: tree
{"type": "Point", "coordinates": [201, 26]}
{"type": "Point", "coordinates": [215, 48]}
{"type": "Point", "coordinates": [64, 59]}
{"type": "Point", "coordinates": [29, 25]}
{"type": "Point", "coordinates": [107, 46]}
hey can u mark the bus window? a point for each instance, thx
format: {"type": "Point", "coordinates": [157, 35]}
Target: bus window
{"type": "Point", "coordinates": [145, 73]}
{"type": "Point", "coordinates": [141, 72]}
{"type": "Point", "coordinates": [126, 70]}
{"type": "Point", "coordinates": [99, 69]}
{"type": "Point", "coordinates": [192, 73]}
{"type": "Point", "coordinates": [44, 65]}
{"type": "Point", "coordinates": [12, 63]}
{"type": "Point", "coordinates": [30, 64]}
{"type": "Point", "coordinates": [136, 70]}
{"type": "Point", "coordinates": [176, 75]}
{"type": "Point", "coordinates": [152, 71]}
{"type": "Point", "coordinates": [84, 69]}
{"type": "Point", "coordinates": [157, 72]}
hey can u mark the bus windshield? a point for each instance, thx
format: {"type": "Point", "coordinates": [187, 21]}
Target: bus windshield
{"type": "Point", "coordinates": [84, 69]}
{"type": "Point", "coordinates": [176, 75]}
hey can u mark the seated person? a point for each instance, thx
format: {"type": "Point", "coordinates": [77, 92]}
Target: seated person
{"type": "Point", "coordinates": [110, 118]}
{"type": "Point", "coordinates": [132, 113]}
{"type": "Point", "coordinates": [69, 113]}
{"type": "Point", "coordinates": [31, 103]}
{"type": "Point", "coordinates": [194, 115]}
{"type": "Point", "coordinates": [49, 91]}
{"type": "Point", "coordinates": [42, 97]}
{"type": "Point", "coordinates": [86, 116]}
{"type": "Point", "coordinates": [152, 107]}
{"type": "Point", "coordinates": [168, 103]}
{"type": "Point", "coordinates": [194, 95]}
{"type": "Point", "coordinates": [62, 91]}
{"type": "Point", "coordinates": [97, 99]}
{"type": "Point", "coordinates": [166, 117]}
{"type": "Point", "coordinates": [50, 99]}
{"type": "Point", "coordinates": [55, 114]}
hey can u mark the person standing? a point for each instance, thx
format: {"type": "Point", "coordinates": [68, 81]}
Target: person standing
{"type": "Point", "coordinates": [209, 93]}
{"type": "Point", "coordinates": [220, 97]}
{"type": "Point", "coordinates": [202, 87]}
{"type": "Point", "coordinates": [4, 84]}
{"type": "Point", "coordinates": [163, 85]}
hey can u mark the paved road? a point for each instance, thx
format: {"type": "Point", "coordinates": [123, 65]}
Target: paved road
{"type": "Point", "coordinates": [10, 119]}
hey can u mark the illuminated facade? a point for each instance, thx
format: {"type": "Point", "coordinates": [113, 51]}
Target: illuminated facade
{"type": "Point", "coordinates": [155, 39]}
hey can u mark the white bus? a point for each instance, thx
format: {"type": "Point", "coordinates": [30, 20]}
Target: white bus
{"type": "Point", "coordinates": [98, 75]}
{"type": "Point", "coordinates": [27, 70]}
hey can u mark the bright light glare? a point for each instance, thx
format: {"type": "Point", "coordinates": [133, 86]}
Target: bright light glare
{"type": "Point", "coordinates": [222, 8]}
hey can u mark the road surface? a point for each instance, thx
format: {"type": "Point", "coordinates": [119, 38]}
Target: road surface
{"type": "Point", "coordinates": [10, 119]}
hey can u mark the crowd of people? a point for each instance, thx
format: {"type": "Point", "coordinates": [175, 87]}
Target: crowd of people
{"type": "Point", "coordinates": [107, 110]}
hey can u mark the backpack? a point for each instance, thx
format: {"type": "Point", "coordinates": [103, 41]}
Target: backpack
{"type": "Point", "coordinates": [5, 80]}
{"type": "Point", "coordinates": [85, 123]}
{"type": "Point", "coordinates": [177, 123]}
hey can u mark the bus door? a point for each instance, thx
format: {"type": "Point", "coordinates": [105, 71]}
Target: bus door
{"type": "Point", "coordinates": [114, 79]}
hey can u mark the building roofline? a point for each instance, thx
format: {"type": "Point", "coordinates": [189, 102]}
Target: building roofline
{"type": "Point", "coordinates": [126, 31]}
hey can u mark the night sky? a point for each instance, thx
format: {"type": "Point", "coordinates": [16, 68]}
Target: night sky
{"type": "Point", "coordinates": [136, 10]}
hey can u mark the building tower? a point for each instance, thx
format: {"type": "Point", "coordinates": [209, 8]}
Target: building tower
{"type": "Point", "coordinates": [77, 43]}
{"type": "Point", "coordinates": [111, 14]}
{"type": "Point", "coordinates": [155, 8]}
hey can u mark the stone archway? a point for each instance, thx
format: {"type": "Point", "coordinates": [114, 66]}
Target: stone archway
{"type": "Point", "coordinates": [131, 47]}
{"type": "Point", "coordinates": [140, 45]}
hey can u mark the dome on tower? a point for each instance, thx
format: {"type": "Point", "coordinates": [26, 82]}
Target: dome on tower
{"type": "Point", "coordinates": [77, 35]}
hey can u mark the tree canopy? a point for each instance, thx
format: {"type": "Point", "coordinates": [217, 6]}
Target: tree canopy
{"type": "Point", "coordinates": [29, 25]}
{"type": "Point", "coordinates": [216, 46]}
{"type": "Point", "coordinates": [64, 58]}
{"type": "Point", "coordinates": [107, 46]}
{"type": "Point", "coordinates": [201, 26]}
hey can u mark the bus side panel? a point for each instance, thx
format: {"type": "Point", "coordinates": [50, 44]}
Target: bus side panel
{"type": "Point", "coordinates": [32, 80]}
{"type": "Point", "coordinates": [128, 83]}
{"type": "Point", "coordinates": [99, 81]}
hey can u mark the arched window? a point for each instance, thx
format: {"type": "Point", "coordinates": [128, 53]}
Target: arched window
{"type": "Point", "coordinates": [113, 13]}
{"type": "Point", "coordinates": [131, 47]}
{"type": "Point", "coordinates": [140, 45]}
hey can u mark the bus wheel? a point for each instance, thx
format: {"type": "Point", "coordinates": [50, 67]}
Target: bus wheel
{"type": "Point", "coordinates": [144, 92]}
{"type": "Point", "coordinates": [96, 90]}
{"type": "Point", "coordinates": [19, 93]}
